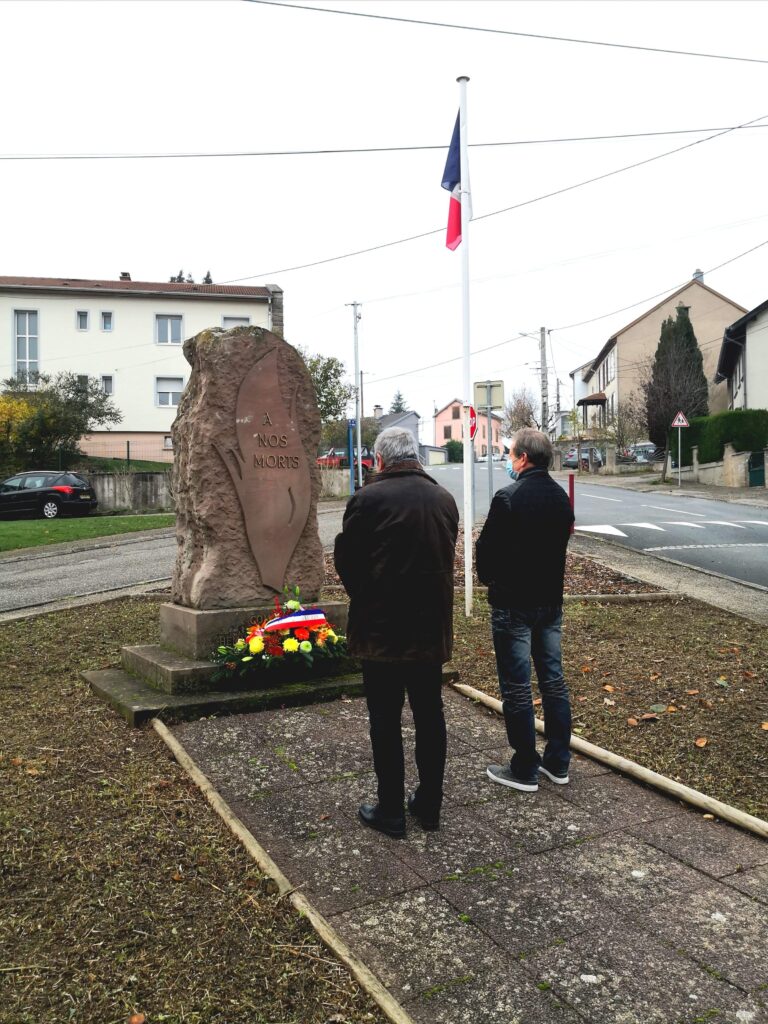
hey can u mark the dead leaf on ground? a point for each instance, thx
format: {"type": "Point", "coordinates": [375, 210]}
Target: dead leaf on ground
{"type": "Point", "coordinates": [648, 717]}
{"type": "Point", "coordinates": [701, 741]}
{"type": "Point", "coordinates": [17, 761]}
{"type": "Point", "coordinates": [658, 707]}
{"type": "Point", "coordinates": [608, 702]}
{"type": "Point", "coordinates": [137, 1018]}
{"type": "Point", "coordinates": [587, 668]}
{"type": "Point", "coordinates": [691, 693]}
{"type": "Point", "coordinates": [632, 721]}
{"type": "Point", "coordinates": [764, 725]}
{"type": "Point", "coordinates": [654, 676]}
{"type": "Point", "coordinates": [671, 709]}
{"type": "Point", "coordinates": [749, 675]}
{"type": "Point", "coordinates": [609, 688]}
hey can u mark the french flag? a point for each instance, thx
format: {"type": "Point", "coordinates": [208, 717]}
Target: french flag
{"type": "Point", "coordinates": [452, 181]}
{"type": "Point", "coordinates": [306, 617]}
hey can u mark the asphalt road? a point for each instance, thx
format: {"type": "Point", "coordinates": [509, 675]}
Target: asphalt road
{"type": "Point", "coordinates": [722, 537]}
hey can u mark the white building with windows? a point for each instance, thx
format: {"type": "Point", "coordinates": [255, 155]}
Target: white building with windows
{"type": "Point", "coordinates": [127, 333]}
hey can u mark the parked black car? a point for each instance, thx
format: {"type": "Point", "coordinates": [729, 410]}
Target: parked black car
{"type": "Point", "coordinates": [47, 493]}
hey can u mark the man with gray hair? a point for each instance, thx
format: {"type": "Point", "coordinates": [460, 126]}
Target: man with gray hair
{"type": "Point", "coordinates": [521, 557]}
{"type": "Point", "coordinates": [395, 557]}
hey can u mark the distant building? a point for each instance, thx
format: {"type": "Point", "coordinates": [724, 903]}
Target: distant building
{"type": "Point", "coordinates": [408, 420]}
{"type": "Point", "coordinates": [743, 360]}
{"type": "Point", "coordinates": [615, 373]}
{"type": "Point", "coordinates": [448, 427]}
{"type": "Point", "coordinates": [129, 335]}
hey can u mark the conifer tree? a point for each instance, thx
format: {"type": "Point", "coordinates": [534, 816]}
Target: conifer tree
{"type": "Point", "coordinates": [677, 381]}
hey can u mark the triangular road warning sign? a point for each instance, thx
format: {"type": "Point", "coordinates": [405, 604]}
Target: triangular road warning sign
{"type": "Point", "coordinates": [680, 421]}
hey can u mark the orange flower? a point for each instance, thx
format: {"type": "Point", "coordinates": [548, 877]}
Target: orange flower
{"type": "Point", "coordinates": [301, 634]}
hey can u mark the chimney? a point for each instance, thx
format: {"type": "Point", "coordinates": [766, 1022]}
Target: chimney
{"type": "Point", "coordinates": [124, 275]}
{"type": "Point", "coordinates": [698, 275]}
{"type": "Point", "coordinates": [378, 412]}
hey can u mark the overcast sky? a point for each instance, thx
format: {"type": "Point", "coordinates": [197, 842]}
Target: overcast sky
{"type": "Point", "coordinates": [141, 77]}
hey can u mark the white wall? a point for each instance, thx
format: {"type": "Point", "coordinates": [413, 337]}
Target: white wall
{"type": "Point", "coordinates": [129, 353]}
{"type": "Point", "coordinates": [757, 362]}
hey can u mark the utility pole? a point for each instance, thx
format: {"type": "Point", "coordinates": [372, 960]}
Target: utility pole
{"type": "Point", "coordinates": [358, 429]}
{"type": "Point", "coordinates": [544, 381]}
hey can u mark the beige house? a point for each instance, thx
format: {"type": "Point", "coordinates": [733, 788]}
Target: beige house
{"type": "Point", "coordinates": [618, 368]}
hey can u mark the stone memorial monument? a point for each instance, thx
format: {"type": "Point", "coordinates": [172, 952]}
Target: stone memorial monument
{"type": "Point", "coordinates": [246, 486]}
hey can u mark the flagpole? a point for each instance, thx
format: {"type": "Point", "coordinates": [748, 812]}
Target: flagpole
{"type": "Point", "coordinates": [467, 399]}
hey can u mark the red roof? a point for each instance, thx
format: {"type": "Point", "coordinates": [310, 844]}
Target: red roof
{"type": "Point", "coordinates": [76, 284]}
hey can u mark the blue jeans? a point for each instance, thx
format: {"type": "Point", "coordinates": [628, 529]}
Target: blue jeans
{"type": "Point", "coordinates": [518, 636]}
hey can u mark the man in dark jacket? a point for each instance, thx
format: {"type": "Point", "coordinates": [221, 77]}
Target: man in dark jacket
{"type": "Point", "coordinates": [521, 557]}
{"type": "Point", "coordinates": [395, 559]}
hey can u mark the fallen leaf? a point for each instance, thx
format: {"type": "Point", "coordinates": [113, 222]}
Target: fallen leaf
{"type": "Point", "coordinates": [691, 693]}
{"type": "Point", "coordinates": [701, 741]}
{"type": "Point", "coordinates": [706, 703]}
{"type": "Point", "coordinates": [587, 668]}
{"type": "Point", "coordinates": [17, 761]}
{"type": "Point", "coordinates": [177, 876]}
{"type": "Point", "coordinates": [581, 698]}
{"type": "Point", "coordinates": [647, 717]}
{"type": "Point", "coordinates": [721, 681]}
{"type": "Point", "coordinates": [708, 817]}
{"type": "Point", "coordinates": [608, 688]}
{"type": "Point", "coordinates": [33, 771]}
{"type": "Point", "coordinates": [671, 709]}
{"type": "Point", "coordinates": [632, 721]}
{"type": "Point", "coordinates": [137, 1018]}
{"type": "Point", "coordinates": [654, 675]}
{"type": "Point", "coordinates": [324, 817]}
{"type": "Point", "coordinates": [658, 707]}
{"type": "Point", "coordinates": [749, 675]}
{"type": "Point", "coordinates": [608, 702]}
{"type": "Point", "coordinates": [764, 725]}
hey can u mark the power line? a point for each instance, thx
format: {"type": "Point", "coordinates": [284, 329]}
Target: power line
{"type": "Point", "coordinates": [494, 213]}
{"type": "Point", "coordinates": [510, 32]}
{"type": "Point", "coordinates": [227, 154]}
{"type": "Point", "coordinates": [445, 362]}
{"type": "Point", "coordinates": [658, 295]}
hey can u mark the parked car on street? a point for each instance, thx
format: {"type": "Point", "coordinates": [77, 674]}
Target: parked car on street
{"type": "Point", "coordinates": [338, 458]}
{"type": "Point", "coordinates": [571, 461]}
{"type": "Point", "coordinates": [47, 493]}
{"type": "Point", "coordinates": [643, 452]}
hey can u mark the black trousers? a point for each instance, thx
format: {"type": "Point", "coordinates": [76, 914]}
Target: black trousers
{"type": "Point", "coordinates": [386, 684]}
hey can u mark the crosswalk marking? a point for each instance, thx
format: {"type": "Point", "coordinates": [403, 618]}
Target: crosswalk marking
{"type": "Point", "coordinates": [722, 522]}
{"type": "Point", "coordinates": [645, 526]}
{"type": "Point", "coordinates": [755, 522]}
{"type": "Point", "coordinates": [610, 530]}
{"type": "Point", "coordinates": [584, 494]}
{"type": "Point", "coordinates": [679, 511]}
{"type": "Point", "coordinates": [687, 547]}
{"type": "Point", "coordinates": [693, 526]}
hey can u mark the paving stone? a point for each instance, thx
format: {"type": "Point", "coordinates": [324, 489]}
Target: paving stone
{"type": "Point", "coordinates": [711, 846]}
{"type": "Point", "coordinates": [721, 929]}
{"type": "Point", "coordinates": [462, 843]}
{"type": "Point", "coordinates": [620, 975]}
{"type": "Point", "coordinates": [415, 942]}
{"type": "Point", "coordinates": [534, 821]}
{"type": "Point", "coordinates": [507, 996]}
{"type": "Point", "coordinates": [523, 908]}
{"type": "Point", "coordinates": [305, 812]}
{"type": "Point", "coordinates": [624, 871]}
{"type": "Point", "coordinates": [344, 869]}
{"type": "Point", "coordinates": [753, 882]}
{"type": "Point", "coordinates": [613, 802]}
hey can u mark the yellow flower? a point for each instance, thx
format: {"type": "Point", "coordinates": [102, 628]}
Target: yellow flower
{"type": "Point", "coordinates": [305, 646]}
{"type": "Point", "coordinates": [331, 636]}
{"type": "Point", "coordinates": [239, 645]}
{"type": "Point", "coordinates": [256, 646]}
{"type": "Point", "coordinates": [290, 645]}
{"type": "Point", "coordinates": [292, 605]}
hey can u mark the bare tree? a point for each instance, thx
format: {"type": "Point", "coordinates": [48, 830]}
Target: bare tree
{"type": "Point", "coordinates": [520, 411]}
{"type": "Point", "coordinates": [629, 422]}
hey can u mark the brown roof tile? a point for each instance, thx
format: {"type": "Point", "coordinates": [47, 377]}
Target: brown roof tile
{"type": "Point", "coordinates": [76, 284]}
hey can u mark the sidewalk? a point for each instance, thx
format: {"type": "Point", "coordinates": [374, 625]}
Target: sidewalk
{"type": "Point", "coordinates": [599, 901]}
{"type": "Point", "coordinates": [647, 482]}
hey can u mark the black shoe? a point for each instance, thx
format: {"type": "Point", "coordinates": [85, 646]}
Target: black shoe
{"type": "Point", "coordinates": [429, 822]}
{"type": "Point", "coordinates": [560, 778]}
{"type": "Point", "coordinates": [506, 777]}
{"type": "Point", "coordinates": [371, 816]}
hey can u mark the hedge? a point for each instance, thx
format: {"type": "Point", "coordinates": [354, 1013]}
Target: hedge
{"type": "Point", "coordinates": [745, 429]}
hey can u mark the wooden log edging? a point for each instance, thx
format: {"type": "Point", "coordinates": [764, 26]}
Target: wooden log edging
{"type": "Point", "coordinates": [365, 978]}
{"type": "Point", "coordinates": [691, 796]}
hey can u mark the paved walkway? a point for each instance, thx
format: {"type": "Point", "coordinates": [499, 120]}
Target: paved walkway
{"type": "Point", "coordinates": [600, 901]}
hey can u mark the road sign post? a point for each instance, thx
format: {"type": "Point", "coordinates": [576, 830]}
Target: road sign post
{"type": "Point", "coordinates": [679, 421]}
{"type": "Point", "coordinates": [351, 450]}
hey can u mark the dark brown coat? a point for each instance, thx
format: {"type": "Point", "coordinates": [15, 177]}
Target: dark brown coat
{"type": "Point", "coordinates": [395, 558]}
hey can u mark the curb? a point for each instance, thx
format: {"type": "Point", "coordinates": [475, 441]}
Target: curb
{"type": "Point", "coordinates": [365, 978]}
{"type": "Point", "coordinates": [691, 796]}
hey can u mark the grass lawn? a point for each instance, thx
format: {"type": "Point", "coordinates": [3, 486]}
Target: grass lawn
{"type": "Point", "coordinates": [697, 674]}
{"type": "Point", "coordinates": [32, 533]}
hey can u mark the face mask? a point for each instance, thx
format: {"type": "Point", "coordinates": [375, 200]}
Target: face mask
{"type": "Point", "coordinates": [510, 471]}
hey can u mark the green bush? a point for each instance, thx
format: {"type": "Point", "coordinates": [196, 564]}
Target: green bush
{"type": "Point", "coordinates": [745, 429]}
{"type": "Point", "coordinates": [455, 451]}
